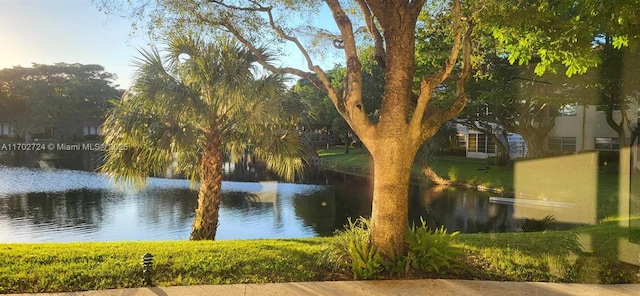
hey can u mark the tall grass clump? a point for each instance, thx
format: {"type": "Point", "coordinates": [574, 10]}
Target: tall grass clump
{"type": "Point", "coordinates": [352, 250]}
{"type": "Point", "coordinates": [429, 252]}
{"type": "Point", "coordinates": [433, 251]}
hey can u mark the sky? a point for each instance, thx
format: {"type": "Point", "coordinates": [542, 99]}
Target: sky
{"type": "Point", "coordinates": [72, 31]}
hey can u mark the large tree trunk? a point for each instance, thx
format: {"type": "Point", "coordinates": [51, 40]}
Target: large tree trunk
{"type": "Point", "coordinates": [535, 146]}
{"type": "Point", "coordinates": [390, 210]}
{"type": "Point", "coordinates": [394, 144]}
{"type": "Point", "coordinates": [347, 142]}
{"type": "Point", "coordinates": [205, 223]}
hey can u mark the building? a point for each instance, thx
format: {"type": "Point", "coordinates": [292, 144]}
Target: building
{"type": "Point", "coordinates": [585, 128]}
{"type": "Point", "coordinates": [480, 145]}
{"type": "Point", "coordinates": [576, 129]}
{"type": "Point", "coordinates": [6, 130]}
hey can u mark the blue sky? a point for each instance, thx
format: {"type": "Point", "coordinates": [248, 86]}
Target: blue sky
{"type": "Point", "coordinates": [71, 31]}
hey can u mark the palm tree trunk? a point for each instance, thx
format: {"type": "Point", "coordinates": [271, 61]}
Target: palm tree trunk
{"type": "Point", "coordinates": [205, 223]}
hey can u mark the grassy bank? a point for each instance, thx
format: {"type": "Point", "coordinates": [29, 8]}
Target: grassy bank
{"type": "Point", "coordinates": [460, 170]}
{"type": "Point", "coordinates": [542, 256]}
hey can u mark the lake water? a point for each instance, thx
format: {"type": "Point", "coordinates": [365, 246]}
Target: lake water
{"type": "Point", "coordinates": [58, 205]}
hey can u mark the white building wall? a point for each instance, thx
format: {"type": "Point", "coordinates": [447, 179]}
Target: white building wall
{"type": "Point", "coordinates": [588, 124]}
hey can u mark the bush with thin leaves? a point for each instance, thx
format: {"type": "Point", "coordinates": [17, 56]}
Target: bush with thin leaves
{"type": "Point", "coordinates": [428, 252]}
{"type": "Point", "coordinates": [352, 249]}
{"type": "Point", "coordinates": [432, 251]}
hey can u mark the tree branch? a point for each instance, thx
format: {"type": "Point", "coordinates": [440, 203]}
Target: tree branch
{"type": "Point", "coordinates": [436, 116]}
{"type": "Point", "coordinates": [430, 115]}
{"type": "Point", "coordinates": [428, 84]}
{"type": "Point", "coordinates": [369, 21]}
{"type": "Point", "coordinates": [242, 8]}
{"type": "Point", "coordinates": [352, 95]}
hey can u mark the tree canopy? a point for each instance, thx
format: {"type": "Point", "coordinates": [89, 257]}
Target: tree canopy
{"type": "Point", "coordinates": [561, 34]}
{"type": "Point", "coordinates": [62, 95]}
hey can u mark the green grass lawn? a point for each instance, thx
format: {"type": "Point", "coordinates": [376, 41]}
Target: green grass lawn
{"type": "Point", "coordinates": [58, 267]}
{"type": "Point", "coordinates": [540, 256]}
{"type": "Point", "coordinates": [557, 255]}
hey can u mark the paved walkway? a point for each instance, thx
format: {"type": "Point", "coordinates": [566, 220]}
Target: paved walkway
{"type": "Point", "coordinates": [371, 288]}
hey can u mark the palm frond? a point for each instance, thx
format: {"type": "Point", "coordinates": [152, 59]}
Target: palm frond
{"type": "Point", "coordinates": [177, 100]}
{"type": "Point", "coordinates": [286, 155]}
{"type": "Point", "coordinates": [143, 140]}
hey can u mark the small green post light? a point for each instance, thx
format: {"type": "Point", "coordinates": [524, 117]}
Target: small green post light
{"type": "Point", "coordinates": [147, 264]}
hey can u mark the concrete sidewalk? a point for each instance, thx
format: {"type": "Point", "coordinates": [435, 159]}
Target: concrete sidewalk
{"type": "Point", "coordinates": [367, 288]}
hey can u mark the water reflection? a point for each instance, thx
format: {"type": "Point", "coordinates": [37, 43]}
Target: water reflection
{"type": "Point", "coordinates": [462, 210]}
{"type": "Point", "coordinates": [63, 205]}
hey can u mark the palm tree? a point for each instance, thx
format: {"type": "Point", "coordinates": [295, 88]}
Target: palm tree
{"type": "Point", "coordinates": [187, 109]}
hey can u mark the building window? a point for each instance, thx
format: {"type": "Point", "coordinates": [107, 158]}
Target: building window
{"type": "Point", "coordinates": [481, 143]}
{"type": "Point", "coordinates": [607, 143]}
{"type": "Point", "coordinates": [462, 141]}
{"type": "Point", "coordinates": [568, 110]}
{"type": "Point", "coordinates": [564, 144]}
{"type": "Point", "coordinates": [473, 143]}
{"type": "Point", "coordinates": [91, 130]}
{"type": "Point", "coordinates": [5, 129]}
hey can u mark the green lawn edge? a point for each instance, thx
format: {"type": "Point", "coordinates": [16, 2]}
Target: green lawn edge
{"type": "Point", "coordinates": [536, 256]}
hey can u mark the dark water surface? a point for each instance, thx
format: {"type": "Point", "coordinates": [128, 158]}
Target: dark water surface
{"type": "Point", "coordinates": [46, 204]}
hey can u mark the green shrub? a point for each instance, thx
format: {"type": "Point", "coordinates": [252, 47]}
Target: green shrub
{"type": "Point", "coordinates": [432, 251]}
{"type": "Point", "coordinates": [352, 249]}
{"type": "Point", "coordinates": [427, 251]}
{"type": "Point", "coordinates": [533, 225]}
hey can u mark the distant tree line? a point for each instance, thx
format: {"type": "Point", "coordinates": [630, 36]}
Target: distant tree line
{"type": "Point", "coordinates": [56, 100]}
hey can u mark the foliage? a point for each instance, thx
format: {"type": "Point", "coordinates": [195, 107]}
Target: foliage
{"type": "Point", "coordinates": [201, 91]}
{"type": "Point", "coordinates": [616, 88]}
{"type": "Point", "coordinates": [444, 142]}
{"type": "Point", "coordinates": [428, 251]}
{"type": "Point", "coordinates": [62, 96]}
{"type": "Point", "coordinates": [533, 225]}
{"type": "Point", "coordinates": [320, 117]}
{"type": "Point", "coordinates": [560, 35]}
{"type": "Point", "coordinates": [189, 107]}
{"type": "Point", "coordinates": [433, 251]}
{"type": "Point", "coordinates": [352, 250]}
